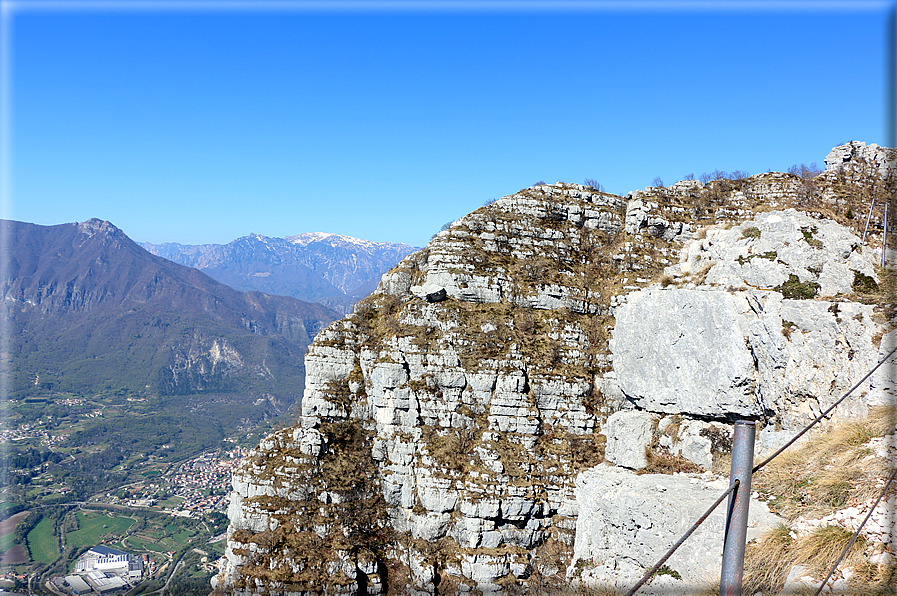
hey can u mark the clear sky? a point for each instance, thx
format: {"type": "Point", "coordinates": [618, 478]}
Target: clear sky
{"type": "Point", "coordinates": [202, 122]}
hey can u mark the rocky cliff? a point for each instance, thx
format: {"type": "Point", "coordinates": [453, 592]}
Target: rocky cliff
{"type": "Point", "coordinates": [458, 426]}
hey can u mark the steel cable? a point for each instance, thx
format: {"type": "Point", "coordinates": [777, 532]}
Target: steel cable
{"type": "Point", "coordinates": [823, 415]}
{"type": "Point", "coordinates": [856, 534]}
{"type": "Point", "coordinates": [685, 536]}
{"type": "Point", "coordinates": [778, 452]}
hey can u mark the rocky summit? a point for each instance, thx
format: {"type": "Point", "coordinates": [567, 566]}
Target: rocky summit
{"type": "Point", "coordinates": [506, 411]}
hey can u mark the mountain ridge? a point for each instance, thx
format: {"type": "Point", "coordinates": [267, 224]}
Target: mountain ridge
{"type": "Point", "coordinates": [332, 269]}
{"type": "Point", "coordinates": [83, 295]}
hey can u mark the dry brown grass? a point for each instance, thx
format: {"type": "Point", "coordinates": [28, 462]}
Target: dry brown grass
{"type": "Point", "coordinates": [876, 578]}
{"type": "Point", "coordinates": [660, 461]}
{"type": "Point", "coordinates": [829, 472]}
{"type": "Point", "coordinates": [698, 277]}
{"type": "Point", "coordinates": [769, 560]}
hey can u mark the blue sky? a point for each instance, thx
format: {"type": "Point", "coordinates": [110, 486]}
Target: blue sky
{"type": "Point", "coordinates": [385, 120]}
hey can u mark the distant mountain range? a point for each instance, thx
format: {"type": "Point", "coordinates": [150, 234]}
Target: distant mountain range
{"type": "Point", "coordinates": [327, 268]}
{"type": "Point", "coordinates": [93, 311]}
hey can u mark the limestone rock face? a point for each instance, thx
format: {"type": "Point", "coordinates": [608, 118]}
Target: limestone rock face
{"type": "Point", "coordinates": [765, 252]}
{"type": "Point", "coordinates": [857, 154]}
{"type": "Point", "coordinates": [445, 421]}
{"type": "Point", "coordinates": [666, 354]}
{"type": "Point", "coordinates": [884, 381]}
{"type": "Point", "coordinates": [667, 345]}
{"type": "Point", "coordinates": [628, 433]}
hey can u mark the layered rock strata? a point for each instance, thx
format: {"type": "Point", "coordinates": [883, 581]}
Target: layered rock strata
{"type": "Point", "coordinates": [440, 439]}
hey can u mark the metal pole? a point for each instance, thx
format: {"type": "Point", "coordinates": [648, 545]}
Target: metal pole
{"type": "Point", "coordinates": [884, 237]}
{"type": "Point", "coordinates": [736, 519]}
{"type": "Point", "coordinates": [868, 217]}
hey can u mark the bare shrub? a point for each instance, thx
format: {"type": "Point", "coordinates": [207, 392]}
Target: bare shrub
{"type": "Point", "coordinates": [804, 171]}
{"type": "Point", "coordinates": [593, 184]}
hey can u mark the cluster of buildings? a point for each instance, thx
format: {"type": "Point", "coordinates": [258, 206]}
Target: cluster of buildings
{"type": "Point", "coordinates": [105, 570]}
{"type": "Point", "coordinates": [202, 482]}
{"type": "Point", "coordinates": [29, 431]}
{"type": "Point", "coordinates": [71, 401]}
{"type": "Point", "coordinates": [11, 577]}
{"type": "Point", "coordinates": [211, 472]}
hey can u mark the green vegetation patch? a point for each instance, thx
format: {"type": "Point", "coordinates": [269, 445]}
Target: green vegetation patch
{"type": "Point", "coordinates": [808, 236]}
{"type": "Point", "coordinates": [664, 570]}
{"type": "Point", "coordinates": [750, 232]}
{"type": "Point", "coordinates": [787, 328]}
{"type": "Point", "coordinates": [42, 542]}
{"type": "Point", "coordinates": [92, 528]}
{"type": "Point", "coordinates": [796, 289]}
{"type": "Point", "coordinates": [863, 284]}
{"type": "Point", "coordinates": [182, 537]}
{"type": "Point", "coordinates": [147, 544]}
{"type": "Point", "coordinates": [769, 256]}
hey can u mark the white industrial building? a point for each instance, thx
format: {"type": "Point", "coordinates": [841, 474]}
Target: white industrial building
{"type": "Point", "coordinates": [105, 570]}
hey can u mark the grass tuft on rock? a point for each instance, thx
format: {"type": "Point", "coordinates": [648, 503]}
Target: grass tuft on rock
{"type": "Point", "coordinates": [796, 289]}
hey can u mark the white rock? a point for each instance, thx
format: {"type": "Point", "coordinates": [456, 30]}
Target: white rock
{"type": "Point", "coordinates": [628, 433]}
{"type": "Point", "coordinates": [623, 516]}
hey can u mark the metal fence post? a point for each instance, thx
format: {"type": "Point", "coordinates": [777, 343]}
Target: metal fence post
{"type": "Point", "coordinates": [868, 219]}
{"type": "Point", "coordinates": [884, 237]}
{"type": "Point", "coordinates": [737, 511]}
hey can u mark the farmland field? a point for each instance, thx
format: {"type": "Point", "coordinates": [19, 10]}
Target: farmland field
{"type": "Point", "coordinates": [7, 528]}
{"type": "Point", "coordinates": [93, 526]}
{"type": "Point", "coordinates": [42, 543]}
{"type": "Point", "coordinates": [14, 556]}
{"type": "Point", "coordinates": [146, 544]}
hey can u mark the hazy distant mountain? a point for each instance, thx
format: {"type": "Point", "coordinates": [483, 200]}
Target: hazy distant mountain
{"type": "Point", "coordinates": [93, 311]}
{"type": "Point", "coordinates": [327, 268]}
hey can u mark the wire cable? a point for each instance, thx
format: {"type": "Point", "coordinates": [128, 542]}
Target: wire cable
{"type": "Point", "coordinates": [734, 487]}
{"type": "Point", "coordinates": [823, 415]}
{"type": "Point", "coordinates": [856, 534]}
{"type": "Point", "coordinates": [685, 536]}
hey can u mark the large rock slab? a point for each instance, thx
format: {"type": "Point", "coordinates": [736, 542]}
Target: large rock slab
{"type": "Point", "coordinates": [884, 380]}
{"type": "Point", "coordinates": [666, 353]}
{"type": "Point", "coordinates": [718, 354]}
{"type": "Point", "coordinates": [627, 522]}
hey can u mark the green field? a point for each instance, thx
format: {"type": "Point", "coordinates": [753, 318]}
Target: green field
{"type": "Point", "coordinates": [172, 501]}
{"type": "Point", "coordinates": [4, 506]}
{"type": "Point", "coordinates": [91, 528]}
{"type": "Point", "coordinates": [42, 543]}
{"type": "Point", "coordinates": [152, 545]}
{"type": "Point", "coordinates": [182, 537]}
